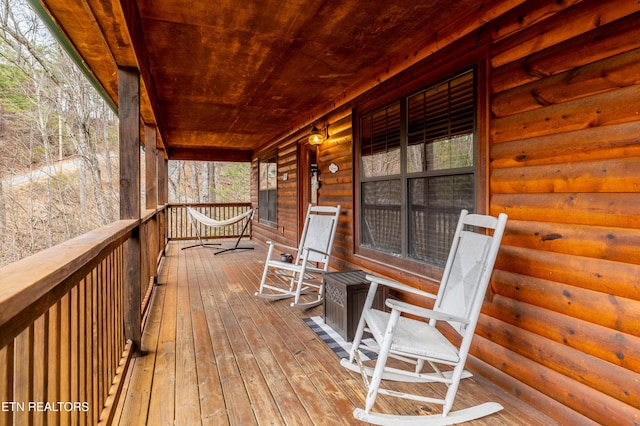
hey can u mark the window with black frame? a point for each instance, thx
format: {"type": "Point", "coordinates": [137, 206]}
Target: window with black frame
{"type": "Point", "coordinates": [418, 170]}
{"type": "Point", "coordinates": [268, 189]}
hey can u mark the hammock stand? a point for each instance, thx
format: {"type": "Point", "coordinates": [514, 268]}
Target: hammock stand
{"type": "Point", "coordinates": [195, 215]}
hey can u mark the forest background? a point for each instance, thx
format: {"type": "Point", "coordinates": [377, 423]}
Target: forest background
{"type": "Point", "coordinates": [59, 146]}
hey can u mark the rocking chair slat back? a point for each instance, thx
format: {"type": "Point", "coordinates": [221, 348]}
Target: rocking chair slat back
{"type": "Point", "coordinates": [459, 286]}
{"type": "Point", "coordinates": [319, 236]}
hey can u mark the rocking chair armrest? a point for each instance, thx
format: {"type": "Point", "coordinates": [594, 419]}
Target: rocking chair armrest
{"type": "Point", "coordinates": [272, 243]}
{"type": "Point", "coordinates": [399, 286]}
{"type": "Point", "coordinates": [423, 312]}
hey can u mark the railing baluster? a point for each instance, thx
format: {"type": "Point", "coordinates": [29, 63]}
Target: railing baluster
{"type": "Point", "coordinates": [7, 382]}
{"type": "Point", "coordinates": [41, 353]}
{"type": "Point", "coordinates": [107, 337]}
{"type": "Point", "coordinates": [23, 376]}
{"type": "Point", "coordinates": [82, 380]}
{"type": "Point", "coordinates": [88, 341]}
{"type": "Point", "coordinates": [65, 356]}
{"type": "Point", "coordinates": [75, 350]}
{"type": "Point", "coordinates": [100, 373]}
{"type": "Point", "coordinates": [54, 370]}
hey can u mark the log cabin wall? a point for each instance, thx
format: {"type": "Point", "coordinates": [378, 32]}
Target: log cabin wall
{"type": "Point", "coordinates": [561, 326]}
{"type": "Point", "coordinates": [565, 158]}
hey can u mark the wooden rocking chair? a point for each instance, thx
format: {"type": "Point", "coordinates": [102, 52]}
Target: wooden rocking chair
{"type": "Point", "coordinates": [415, 342]}
{"type": "Point", "coordinates": [303, 275]}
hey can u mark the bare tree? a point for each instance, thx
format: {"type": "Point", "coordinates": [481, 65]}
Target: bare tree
{"type": "Point", "coordinates": [195, 181]}
{"type": "Point", "coordinates": [212, 182]}
{"type": "Point", "coordinates": [49, 112]}
{"type": "Point", "coordinates": [211, 171]}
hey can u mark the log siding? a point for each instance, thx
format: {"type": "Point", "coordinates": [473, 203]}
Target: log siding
{"type": "Point", "coordinates": [564, 165]}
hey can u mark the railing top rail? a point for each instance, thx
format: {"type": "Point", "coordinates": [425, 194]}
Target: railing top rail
{"type": "Point", "coordinates": [242, 204]}
{"type": "Point", "coordinates": [149, 214]}
{"type": "Point", "coordinates": [28, 285]}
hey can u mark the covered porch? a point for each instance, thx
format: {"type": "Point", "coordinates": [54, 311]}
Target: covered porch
{"type": "Point", "coordinates": [212, 353]}
{"type": "Point", "coordinates": [548, 94]}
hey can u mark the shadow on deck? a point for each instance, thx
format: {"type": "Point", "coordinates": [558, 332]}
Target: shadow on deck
{"type": "Point", "coordinates": [213, 353]}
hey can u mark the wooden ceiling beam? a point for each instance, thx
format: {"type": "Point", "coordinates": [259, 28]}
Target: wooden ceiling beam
{"type": "Point", "coordinates": [209, 154]}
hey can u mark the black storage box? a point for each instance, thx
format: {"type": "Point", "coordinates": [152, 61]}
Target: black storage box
{"type": "Point", "coordinates": [345, 294]}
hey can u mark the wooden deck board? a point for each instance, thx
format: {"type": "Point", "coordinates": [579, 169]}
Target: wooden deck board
{"type": "Point", "coordinates": [232, 362]}
{"type": "Point", "coordinates": [210, 390]}
{"type": "Point", "coordinates": [213, 353]}
{"type": "Point", "coordinates": [162, 403]}
{"type": "Point", "coordinates": [137, 404]}
{"type": "Point", "coordinates": [187, 397]}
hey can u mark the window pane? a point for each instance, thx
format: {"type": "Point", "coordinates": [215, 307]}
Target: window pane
{"type": "Point", "coordinates": [263, 200]}
{"type": "Point", "coordinates": [440, 125]}
{"type": "Point", "coordinates": [267, 193]}
{"type": "Point", "coordinates": [264, 173]}
{"type": "Point", "coordinates": [268, 173]}
{"type": "Point", "coordinates": [272, 206]}
{"type": "Point", "coordinates": [272, 175]}
{"type": "Point", "coordinates": [268, 208]}
{"type": "Point", "coordinates": [381, 216]}
{"type": "Point", "coordinates": [380, 142]}
{"type": "Point", "coordinates": [435, 205]}
{"type": "Point", "coordinates": [450, 153]}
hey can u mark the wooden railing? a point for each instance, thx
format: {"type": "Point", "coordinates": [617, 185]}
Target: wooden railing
{"type": "Point", "coordinates": [181, 228]}
{"type": "Point", "coordinates": [64, 313]}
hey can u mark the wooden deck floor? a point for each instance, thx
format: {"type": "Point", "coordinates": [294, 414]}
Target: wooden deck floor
{"type": "Point", "coordinates": [215, 354]}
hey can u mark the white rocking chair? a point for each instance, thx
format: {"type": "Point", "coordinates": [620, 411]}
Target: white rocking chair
{"type": "Point", "coordinates": [302, 276]}
{"type": "Point", "coordinates": [414, 342]}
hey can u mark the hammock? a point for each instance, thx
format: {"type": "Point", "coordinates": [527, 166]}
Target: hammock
{"type": "Point", "coordinates": [195, 215]}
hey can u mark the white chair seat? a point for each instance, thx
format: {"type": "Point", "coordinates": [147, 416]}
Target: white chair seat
{"type": "Point", "coordinates": [413, 337]}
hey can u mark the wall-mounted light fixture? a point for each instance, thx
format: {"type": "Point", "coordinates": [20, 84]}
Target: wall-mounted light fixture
{"type": "Point", "coordinates": [316, 137]}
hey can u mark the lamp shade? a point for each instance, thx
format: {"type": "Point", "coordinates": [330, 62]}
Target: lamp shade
{"type": "Point", "coordinates": [315, 137]}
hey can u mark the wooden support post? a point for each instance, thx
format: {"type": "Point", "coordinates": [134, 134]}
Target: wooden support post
{"type": "Point", "coordinates": [163, 178]}
{"type": "Point", "coordinates": [129, 115]}
{"type": "Point", "coordinates": [151, 245]}
{"type": "Point", "coordinates": [151, 162]}
{"type": "Point", "coordinates": [163, 193]}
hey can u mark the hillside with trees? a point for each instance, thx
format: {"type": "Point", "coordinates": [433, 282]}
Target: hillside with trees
{"type": "Point", "coordinates": [59, 146]}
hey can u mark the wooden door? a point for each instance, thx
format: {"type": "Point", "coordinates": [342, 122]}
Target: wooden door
{"type": "Point", "coordinates": [307, 181]}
